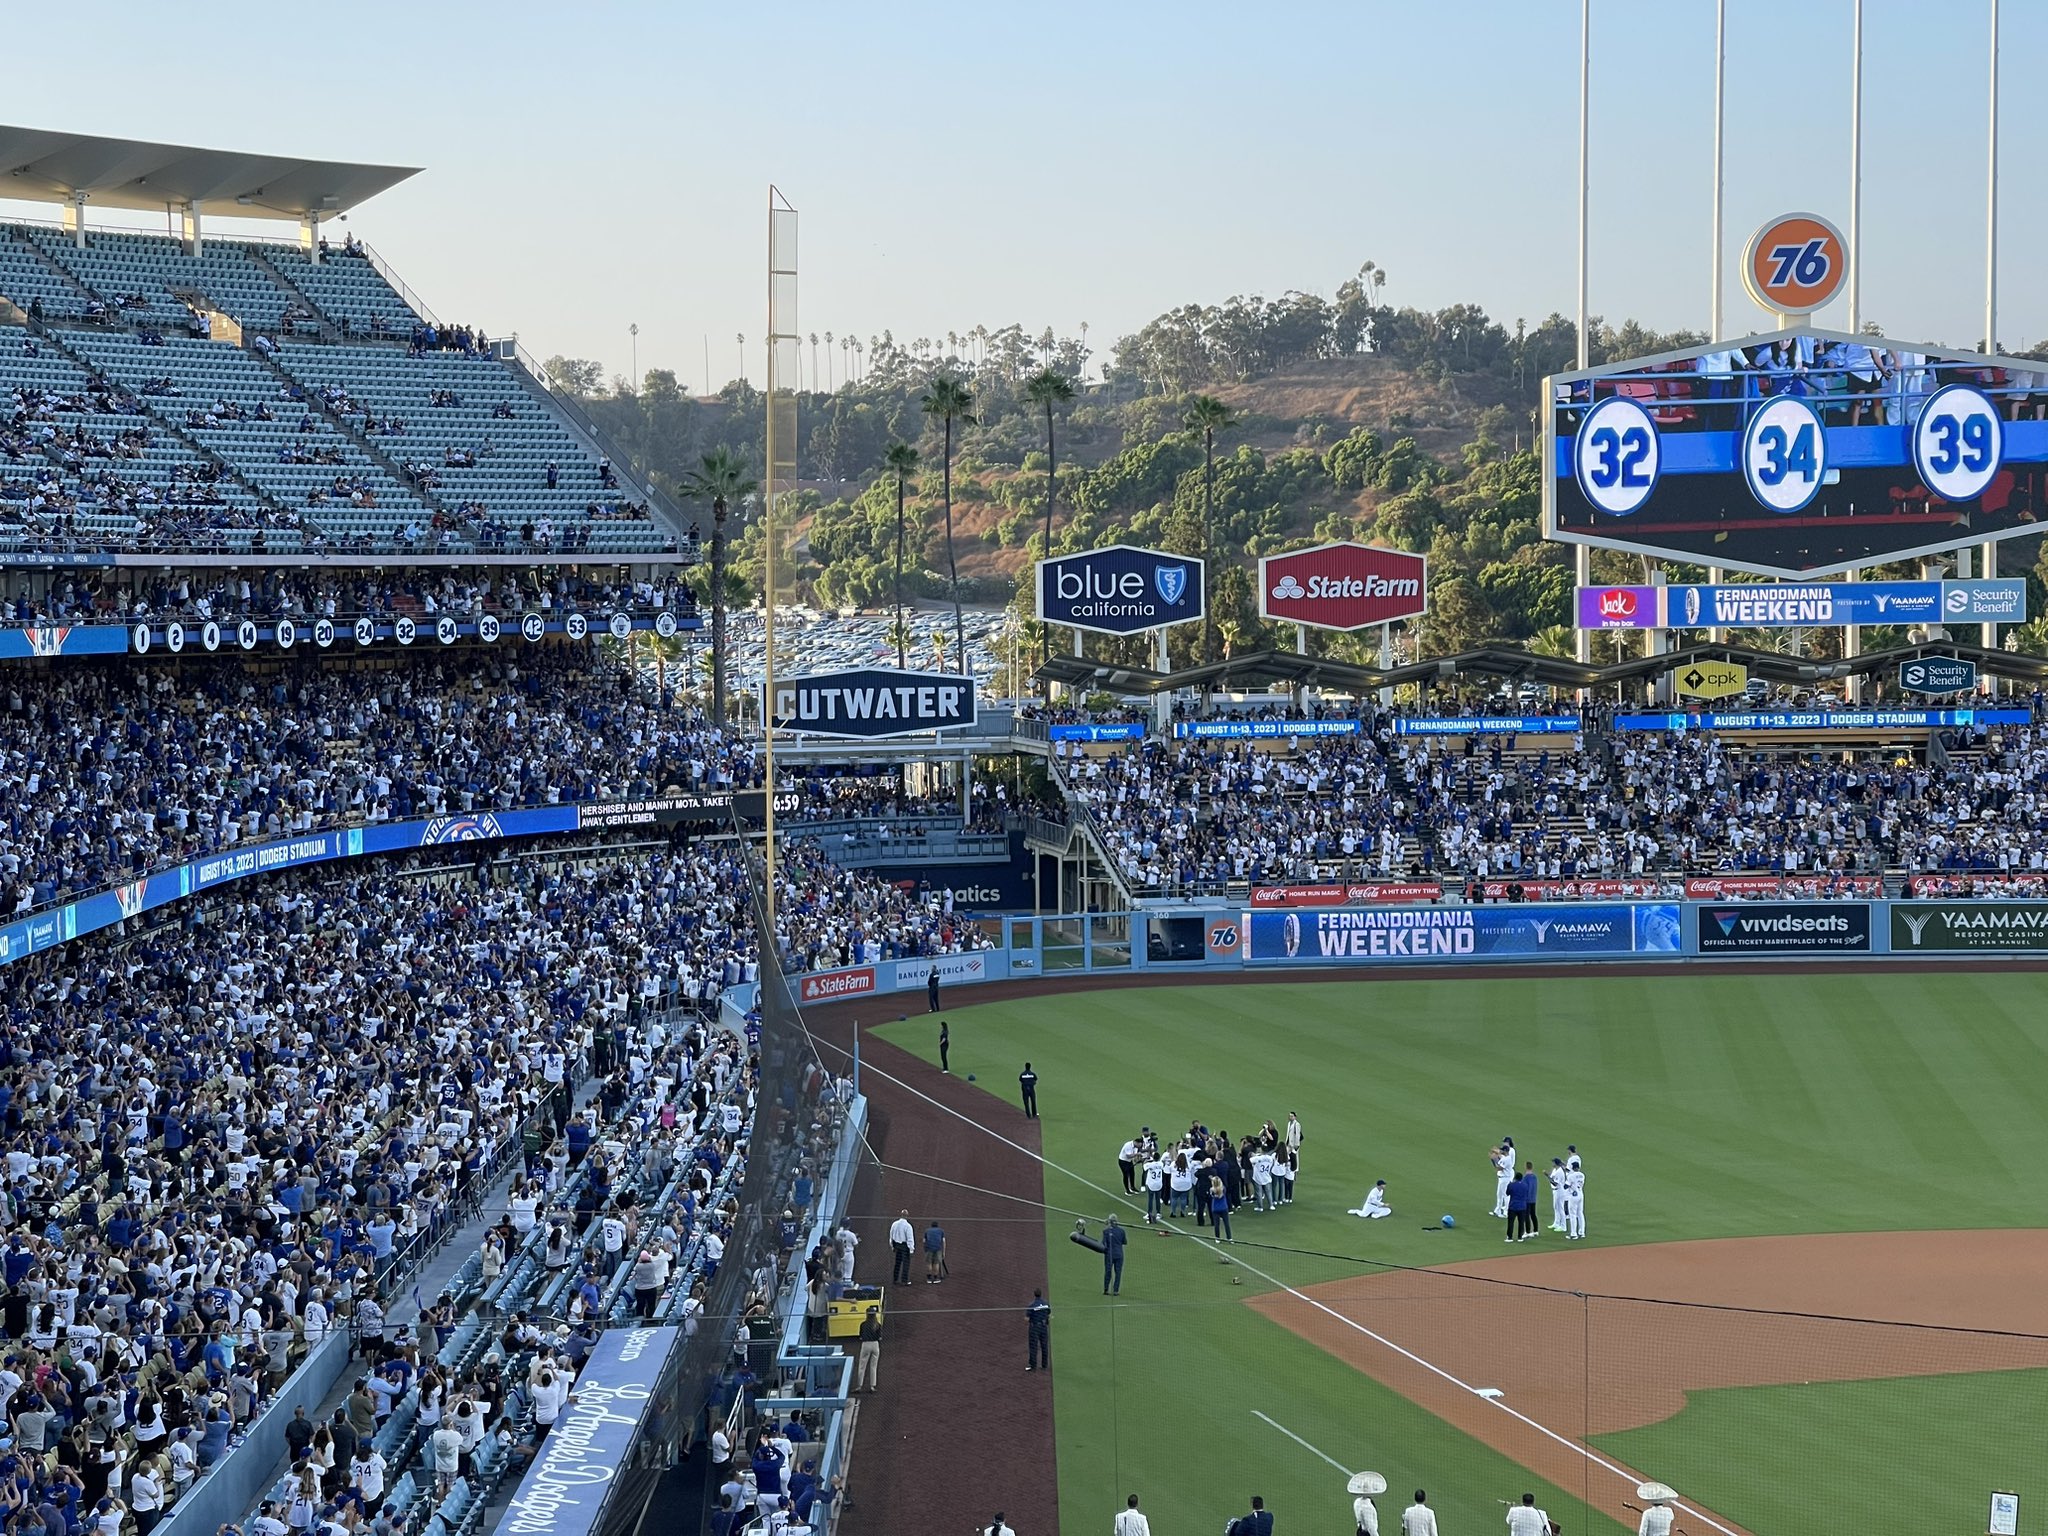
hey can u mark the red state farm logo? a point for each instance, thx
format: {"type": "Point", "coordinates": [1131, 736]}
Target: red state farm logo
{"type": "Point", "coordinates": [1342, 586]}
{"type": "Point", "coordinates": [1617, 603]}
{"type": "Point", "coordinates": [832, 984]}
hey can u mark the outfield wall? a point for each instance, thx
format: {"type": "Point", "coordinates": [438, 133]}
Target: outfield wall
{"type": "Point", "coordinates": [1573, 933]}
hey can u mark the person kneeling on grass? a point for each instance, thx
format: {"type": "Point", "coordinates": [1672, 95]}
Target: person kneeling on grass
{"type": "Point", "coordinates": [1375, 1203]}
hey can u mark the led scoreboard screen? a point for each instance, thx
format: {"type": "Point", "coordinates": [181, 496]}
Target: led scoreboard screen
{"type": "Point", "coordinates": [1802, 452]}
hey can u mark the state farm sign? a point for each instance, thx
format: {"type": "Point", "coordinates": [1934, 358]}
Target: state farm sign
{"type": "Point", "coordinates": [1342, 586]}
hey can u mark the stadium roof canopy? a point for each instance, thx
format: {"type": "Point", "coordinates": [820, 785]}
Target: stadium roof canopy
{"type": "Point", "coordinates": [1290, 669]}
{"type": "Point", "coordinates": [45, 167]}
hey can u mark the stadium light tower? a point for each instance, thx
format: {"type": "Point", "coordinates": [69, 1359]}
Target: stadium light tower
{"type": "Point", "coordinates": [633, 330]}
{"type": "Point", "coordinates": [785, 364]}
{"type": "Point", "coordinates": [1583, 556]}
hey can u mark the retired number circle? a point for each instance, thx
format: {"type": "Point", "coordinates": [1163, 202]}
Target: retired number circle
{"type": "Point", "coordinates": [1785, 454]}
{"type": "Point", "coordinates": [1958, 443]}
{"type": "Point", "coordinates": [1616, 456]}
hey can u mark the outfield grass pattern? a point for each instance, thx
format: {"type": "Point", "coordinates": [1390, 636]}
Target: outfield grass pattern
{"type": "Point", "coordinates": [1705, 1105]}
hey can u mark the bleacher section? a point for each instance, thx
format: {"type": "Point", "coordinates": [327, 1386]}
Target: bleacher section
{"type": "Point", "coordinates": [449, 405]}
{"type": "Point", "coordinates": [340, 491]}
{"type": "Point", "coordinates": [411, 445]}
{"type": "Point", "coordinates": [128, 482]}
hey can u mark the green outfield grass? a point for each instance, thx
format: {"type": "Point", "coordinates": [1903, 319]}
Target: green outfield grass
{"type": "Point", "coordinates": [1705, 1106]}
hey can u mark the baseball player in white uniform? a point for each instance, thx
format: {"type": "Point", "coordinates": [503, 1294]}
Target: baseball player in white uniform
{"type": "Point", "coordinates": [1575, 1202]}
{"type": "Point", "coordinates": [1557, 1194]}
{"type": "Point", "coordinates": [1375, 1206]}
{"type": "Point", "coordinates": [1503, 1158]}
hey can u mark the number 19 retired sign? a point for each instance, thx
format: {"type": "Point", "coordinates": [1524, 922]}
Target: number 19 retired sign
{"type": "Point", "coordinates": [873, 702]}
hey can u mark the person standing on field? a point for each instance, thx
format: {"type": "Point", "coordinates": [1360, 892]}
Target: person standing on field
{"type": "Point", "coordinates": [1155, 1186]}
{"type": "Point", "coordinates": [1038, 1324]}
{"type": "Point", "coordinates": [934, 1253]}
{"type": "Point", "coordinates": [902, 1238]}
{"type": "Point", "coordinates": [1525, 1519]}
{"type": "Point", "coordinates": [1418, 1519]}
{"type": "Point", "coordinates": [1027, 1080]}
{"type": "Point", "coordinates": [1113, 1241]}
{"type": "Point", "coordinates": [1557, 1194]}
{"type": "Point", "coordinates": [1130, 1521]}
{"type": "Point", "coordinates": [945, 1048]}
{"type": "Point", "coordinates": [1574, 1203]}
{"type": "Point", "coordinates": [1503, 1162]}
{"type": "Point", "coordinates": [931, 990]}
{"type": "Point", "coordinates": [868, 1367]}
{"type": "Point", "coordinates": [1127, 1164]}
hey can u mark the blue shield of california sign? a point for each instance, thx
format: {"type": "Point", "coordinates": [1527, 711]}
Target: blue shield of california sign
{"type": "Point", "coordinates": [1121, 590]}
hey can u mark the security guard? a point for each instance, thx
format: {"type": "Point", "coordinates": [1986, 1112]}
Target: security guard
{"type": "Point", "coordinates": [1038, 1317]}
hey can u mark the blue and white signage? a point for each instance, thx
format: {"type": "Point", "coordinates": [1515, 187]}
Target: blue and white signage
{"type": "Point", "coordinates": [1121, 730]}
{"type": "Point", "coordinates": [1121, 590]}
{"type": "Point", "coordinates": [1938, 674]}
{"type": "Point", "coordinates": [1993, 599]}
{"type": "Point", "coordinates": [488, 628]}
{"type": "Point", "coordinates": [563, 1491]}
{"type": "Point", "coordinates": [532, 626]}
{"type": "Point", "coordinates": [1828, 720]}
{"type": "Point", "coordinates": [1255, 730]}
{"type": "Point", "coordinates": [1490, 725]}
{"type": "Point", "coordinates": [1785, 454]}
{"type": "Point", "coordinates": [1618, 456]}
{"type": "Point", "coordinates": [1958, 443]}
{"type": "Point", "coordinates": [1382, 935]}
{"type": "Point", "coordinates": [1795, 605]}
{"type": "Point", "coordinates": [872, 702]}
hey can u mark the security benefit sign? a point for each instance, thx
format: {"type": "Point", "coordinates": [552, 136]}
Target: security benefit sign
{"type": "Point", "coordinates": [1121, 590]}
{"type": "Point", "coordinates": [1342, 586]}
{"type": "Point", "coordinates": [1969, 927]}
{"type": "Point", "coordinates": [1785, 928]}
{"type": "Point", "coordinates": [1937, 675]}
{"type": "Point", "coordinates": [1397, 935]}
{"type": "Point", "coordinates": [873, 702]}
{"type": "Point", "coordinates": [1710, 679]}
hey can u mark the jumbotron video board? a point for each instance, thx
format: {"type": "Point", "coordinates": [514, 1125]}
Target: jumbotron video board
{"type": "Point", "coordinates": [1798, 452]}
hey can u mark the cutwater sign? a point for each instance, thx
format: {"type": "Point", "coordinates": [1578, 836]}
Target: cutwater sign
{"type": "Point", "coordinates": [1938, 674]}
{"type": "Point", "coordinates": [872, 702]}
{"type": "Point", "coordinates": [1121, 590]}
{"type": "Point", "coordinates": [563, 1491]}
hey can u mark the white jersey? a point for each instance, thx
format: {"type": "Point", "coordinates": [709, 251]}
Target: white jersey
{"type": "Point", "coordinates": [1525, 1520]}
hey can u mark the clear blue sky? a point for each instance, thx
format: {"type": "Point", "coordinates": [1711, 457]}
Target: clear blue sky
{"type": "Point", "coordinates": [596, 164]}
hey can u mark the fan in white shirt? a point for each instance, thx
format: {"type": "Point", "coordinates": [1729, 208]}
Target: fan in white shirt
{"type": "Point", "coordinates": [1525, 1519]}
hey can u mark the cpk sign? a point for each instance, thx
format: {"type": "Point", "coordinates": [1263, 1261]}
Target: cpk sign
{"type": "Point", "coordinates": [1121, 590]}
{"type": "Point", "coordinates": [1343, 586]}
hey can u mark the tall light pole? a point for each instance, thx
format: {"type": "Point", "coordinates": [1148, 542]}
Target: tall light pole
{"type": "Point", "coordinates": [1583, 556]}
{"type": "Point", "coordinates": [633, 330]}
{"type": "Point", "coordinates": [1856, 173]}
{"type": "Point", "coordinates": [1720, 83]}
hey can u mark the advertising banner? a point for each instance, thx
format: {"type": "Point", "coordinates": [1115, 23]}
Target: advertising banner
{"type": "Point", "coordinates": [1938, 674]}
{"type": "Point", "coordinates": [563, 1490]}
{"type": "Point", "coordinates": [868, 703]}
{"type": "Point", "coordinates": [830, 986]}
{"type": "Point", "coordinates": [1254, 730]}
{"type": "Point", "coordinates": [1969, 927]}
{"type": "Point", "coordinates": [1342, 586]}
{"type": "Point", "coordinates": [1803, 605]}
{"type": "Point", "coordinates": [1407, 934]}
{"type": "Point", "coordinates": [1711, 680]}
{"type": "Point", "coordinates": [1785, 928]}
{"type": "Point", "coordinates": [1126, 730]}
{"type": "Point", "coordinates": [1342, 895]}
{"type": "Point", "coordinates": [1121, 590]}
{"type": "Point", "coordinates": [706, 808]}
{"type": "Point", "coordinates": [994, 887]}
{"type": "Point", "coordinates": [915, 975]}
{"type": "Point", "coordinates": [1489, 725]}
{"type": "Point", "coordinates": [1827, 720]}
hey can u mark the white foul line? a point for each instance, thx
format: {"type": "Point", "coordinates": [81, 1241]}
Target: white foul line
{"type": "Point", "coordinates": [1290, 1434]}
{"type": "Point", "coordinates": [1587, 1452]}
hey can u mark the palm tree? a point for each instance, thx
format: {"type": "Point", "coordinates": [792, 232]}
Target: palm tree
{"type": "Point", "coordinates": [1208, 416]}
{"type": "Point", "coordinates": [951, 401]}
{"type": "Point", "coordinates": [721, 479]}
{"type": "Point", "coordinates": [901, 460]}
{"type": "Point", "coordinates": [1049, 387]}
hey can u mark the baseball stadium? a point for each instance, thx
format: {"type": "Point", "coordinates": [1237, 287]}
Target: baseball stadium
{"type": "Point", "coordinates": [840, 934]}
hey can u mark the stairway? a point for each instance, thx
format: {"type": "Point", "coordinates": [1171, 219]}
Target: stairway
{"type": "Point", "coordinates": [31, 242]}
{"type": "Point", "coordinates": [324, 328]}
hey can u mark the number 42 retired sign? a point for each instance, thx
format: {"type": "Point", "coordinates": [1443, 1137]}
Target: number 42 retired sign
{"type": "Point", "coordinates": [872, 702]}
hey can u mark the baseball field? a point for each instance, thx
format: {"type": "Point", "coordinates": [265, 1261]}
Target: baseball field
{"type": "Point", "coordinates": [1809, 1296]}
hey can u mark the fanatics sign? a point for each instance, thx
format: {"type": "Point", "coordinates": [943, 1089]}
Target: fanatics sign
{"type": "Point", "coordinates": [1343, 586]}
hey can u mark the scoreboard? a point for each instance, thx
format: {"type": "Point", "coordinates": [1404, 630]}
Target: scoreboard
{"type": "Point", "coordinates": [1799, 452]}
